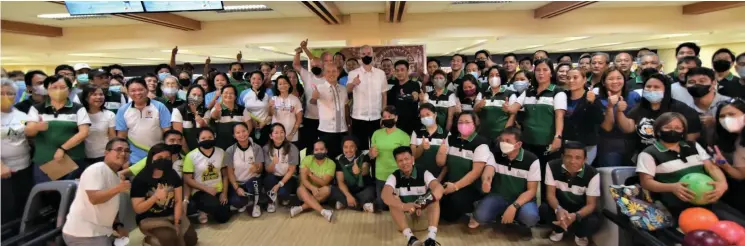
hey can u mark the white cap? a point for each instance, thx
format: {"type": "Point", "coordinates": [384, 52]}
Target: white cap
{"type": "Point", "coordinates": [79, 66]}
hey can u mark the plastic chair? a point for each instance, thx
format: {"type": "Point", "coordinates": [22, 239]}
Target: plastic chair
{"type": "Point", "coordinates": [40, 224]}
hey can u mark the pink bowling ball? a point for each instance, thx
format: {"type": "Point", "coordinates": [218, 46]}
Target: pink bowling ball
{"type": "Point", "coordinates": [730, 231]}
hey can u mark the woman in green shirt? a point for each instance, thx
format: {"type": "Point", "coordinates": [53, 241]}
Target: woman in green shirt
{"type": "Point", "coordinates": [493, 106]}
{"type": "Point", "coordinates": [381, 149]}
{"type": "Point", "coordinates": [316, 174]}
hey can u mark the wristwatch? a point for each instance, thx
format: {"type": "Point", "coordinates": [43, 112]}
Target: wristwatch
{"type": "Point", "coordinates": [516, 205]}
{"type": "Point", "coordinates": [577, 216]}
{"type": "Point", "coordinates": [281, 184]}
{"type": "Point", "coordinates": [558, 136]}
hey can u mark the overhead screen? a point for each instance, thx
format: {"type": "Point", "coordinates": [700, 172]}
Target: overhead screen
{"type": "Point", "coordinates": [175, 6]}
{"type": "Point", "coordinates": [103, 7]}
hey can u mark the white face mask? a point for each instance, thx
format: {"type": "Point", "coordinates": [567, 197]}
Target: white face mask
{"type": "Point", "coordinates": [170, 91]}
{"type": "Point", "coordinates": [506, 147]}
{"type": "Point", "coordinates": [40, 90]}
{"type": "Point", "coordinates": [733, 124]}
{"type": "Point", "coordinates": [495, 81]}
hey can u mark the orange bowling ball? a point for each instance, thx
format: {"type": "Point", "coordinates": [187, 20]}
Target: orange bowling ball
{"type": "Point", "coordinates": [696, 219]}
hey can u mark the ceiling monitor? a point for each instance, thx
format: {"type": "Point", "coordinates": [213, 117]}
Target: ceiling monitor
{"type": "Point", "coordinates": [103, 7]}
{"type": "Point", "coordinates": [179, 6]}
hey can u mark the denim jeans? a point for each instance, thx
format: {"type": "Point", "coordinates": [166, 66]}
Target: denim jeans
{"type": "Point", "coordinates": [285, 191]}
{"type": "Point", "coordinates": [252, 188]}
{"type": "Point", "coordinates": [379, 197]}
{"type": "Point", "coordinates": [493, 206]}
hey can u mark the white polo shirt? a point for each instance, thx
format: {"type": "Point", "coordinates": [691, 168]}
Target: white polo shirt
{"type": "Point", "coordinates": [86, 219]}
{"type": "Point", "coordinates": [144, 127]}
{"type": "Point", "coordinates": [257, 107]}
{"type": "Point", "coordinates": [16, 152]}
{"type": "Point", "coordinates": [366, 97]}
{"type": "Point", "coordinates": [309, 79]}
{"type": "Point", "coordinates": [98, 133]}
{"type": "Point", "coordinates": [331, 111]}
{"type": "Point", "coordinates": [285, 111]}
{"type": "Point", "coordinates": [206, 169]}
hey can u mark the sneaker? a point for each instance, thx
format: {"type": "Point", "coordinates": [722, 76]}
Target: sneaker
{"type": "Point", "coordinates": [556, 236]}
{"type": "Point", "coordinates": [328, 214]}
{"type": "Point", "coordinates": [285, 202]}
{"type": "Point", "coordinates": [256, 211]}
{"type": "Point", "coordinates": [368, 207]}
{"type": "Point", "coordinates": [202, 217]}
{"type": "Point", "coordinates": [242, 209]}
{"type": "Point", "coordinates": [339, 205]}
{"type": "Point", "coordinates": [431, 242]}
{"type": "Point", "coordinates": [413, 241]}
{"type": "Point", "coordinates": [271, 207]}
{"type": "Point", "coordinates": [294, 211]}
{"type": "Point", "coordinates": [581, 241]}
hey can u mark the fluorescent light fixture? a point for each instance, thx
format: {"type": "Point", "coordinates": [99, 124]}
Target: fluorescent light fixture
{"type": "Point", "coordinates": [65, 16]}
{"type": "Point", "coordinates": [151, 59]}
{"type": "Point", "coordinates": [477, 2]}
{"type": "Point", "coordinates": [86, 54]}
{"type": "Point", "coordinates": [608, 44]}
{"type": "Point", "coordinates": [534, 46]}
{"type": "Point", "coordinates": [576, 38]}
{"type": "Point", "coordinates": [12, 58]}
{"type": "Point", "coordinates": [568, 49]}
{"type": "Point", "coordinates": [251, 7]}
{"type": "Point", "coordinates": [267, 48]}
{"type": "Point", "coordinates": [675, 35]}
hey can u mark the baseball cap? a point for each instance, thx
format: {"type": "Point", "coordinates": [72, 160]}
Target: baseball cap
{"type": "Point", "coordinates": [79, 66]}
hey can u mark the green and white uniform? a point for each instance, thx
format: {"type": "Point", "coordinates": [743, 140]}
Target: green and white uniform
{"type": "Point", "coordinates": [409, 188]}
{"type": "Point", "coordinates": [427, 160]}
{"type": "Point", "coordinates": [572, 192]}
{"type": "Point", "coordinates": [462, 153]}
{"type": "Point", "coordinates": [538, 124]}
{"type": "Point", "coordinates": [224, 125]}
{"type": "Point", "coordinates": [63, 125]}
{"type": "Point", "coordinates": [668, 166]}
{"type": "Point", "coordinates": [511, 177]}
{"type": "Point", "coordinates": [442, 103]}
{"type": "Point", "coordinates": [493, 118]}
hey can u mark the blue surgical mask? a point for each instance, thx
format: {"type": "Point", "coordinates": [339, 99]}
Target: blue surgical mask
{"type": "Point", "coordinates": [115, 88]}
{"type": "Point", "coordinates": [21, 85]}
{"type": "Point", "coordinates": [83, 78]}
{"type": "Point", "coordinates": [475, 74]}
{"type": "Point", "coordinates": [428, 121]}
{"type": "Point", "coordinates": [653, 96]}
{"type": "Point", "coordinates": [162, 76]}
{"type": "Point", "coordinates": [741, 72]}
{"type": "Point", "coordinates": [520, 86]}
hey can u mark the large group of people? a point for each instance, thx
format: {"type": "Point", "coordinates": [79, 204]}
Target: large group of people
{"type": "Point", "coordinates": [473, 145]}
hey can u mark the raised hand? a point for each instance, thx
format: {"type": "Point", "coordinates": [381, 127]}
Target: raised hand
{"type": "Point", "coordinates": [357, 80]}
{"type": "Point", "coordinates": [425, 143]}
{"type": "Point", "coordinates": [174, 51]}
{"type": "Point", "coordinates": [621, 105]}
{"type": "Point", "coordinates": [304, 44]}
{"type": "Point", "coordinates": [590, 96]}
{"type": "Point", "coordinates": [208, 60]}
{"type": "Point", "coordinates": [239, 56]}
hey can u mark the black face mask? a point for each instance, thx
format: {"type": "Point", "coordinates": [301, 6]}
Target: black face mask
{"type": "Point", "coordinates": [389, 123]}
{"type": "Point", "coordinates": [367, 60]}
{"type": "Point", "coordinates": [237, 75]}
{"type": "Point", "coordinates": [316, 70]}
{"type": "Point", "coordinates": [184, 82]}
{"type": "Point", "coordinates": [207, 144]}
{"type": "Point", "coordinates": [481, 64]}
{"type": "Point", "coordinates": [319, 156]}
{"type": "Point", "coordinates": [721, 65]}
{"type": "Point", "coordinates": [174, 148]}
{"type": "Point", "coordinates": [670, 136]}
{"type": "Point", "coordinates": [162, 164]}
{"type": "Point", "coordinates": [698, 91]}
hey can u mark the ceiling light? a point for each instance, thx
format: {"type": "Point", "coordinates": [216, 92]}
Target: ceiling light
{"type": "Point", "coordinates": [608, 44]}
{"type": "Point", "coordinates": [576, 38]}
{"type": "Point", "coordinates": [151, 59]}
{"type": "Point", "coordinates": [567, 49]}
{"type": "Point", "coordinates": [245, 8]}
{"type": "Point", "coordinates": [63, 16]}
{"type": "Point", "coordinates": [12, 58]}
{"type": "Point", "coordinates": [267, 48]}
{"type": "Point", "coordinates": [533, 46]}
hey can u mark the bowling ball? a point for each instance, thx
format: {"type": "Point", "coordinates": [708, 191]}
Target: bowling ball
{"type": "Point", "coordinates": [729, 231]}
{"type": "Point", "coordinates": [703, 238]}
{"type": "Point", "coordinates": [695, 218]}
{"type": "Point", "coordinates": [699, 184]}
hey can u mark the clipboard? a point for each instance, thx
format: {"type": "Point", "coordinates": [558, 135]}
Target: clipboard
{"type": "Point", "coordinates": [58, 169]}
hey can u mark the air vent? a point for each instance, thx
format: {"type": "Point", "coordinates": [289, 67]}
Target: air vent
{"type": "Point", "coordinates": [245, 8]}
{"type": "Point", "coordinates": [71, 17]}
{"type": "Point", "coordinates": [478, 2]}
